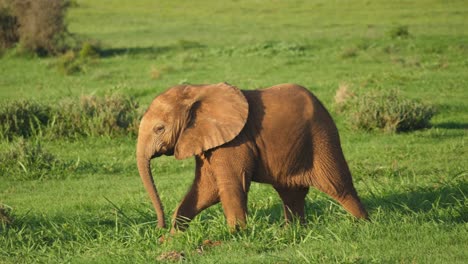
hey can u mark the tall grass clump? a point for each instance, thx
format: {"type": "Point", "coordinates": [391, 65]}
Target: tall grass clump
{"type": "Point", "coordinates": [110, 115]}
{"type": "Point", "coordinates": [383, 110]}
{"type": "Point", "coordinates": [96, 116]}
{"type": "Point", "coordinates": [23, 118]}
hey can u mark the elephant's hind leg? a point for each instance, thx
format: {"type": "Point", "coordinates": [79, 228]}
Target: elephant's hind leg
{"type": "Point", "coordinates": [334, 179]}
{"type": "Point", "coordinates": [353, 205]}
{"type": "Point", "coordinates": [348, 199]}
{"type": "Point", "coordinates": [293, 202]}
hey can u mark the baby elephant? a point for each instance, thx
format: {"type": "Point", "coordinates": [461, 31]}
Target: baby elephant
{"type": "Point", "coordinates": [281, 135]}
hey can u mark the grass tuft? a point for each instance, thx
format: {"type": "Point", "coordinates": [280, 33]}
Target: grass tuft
{"type": "Point", "coordinates": [28, 160]}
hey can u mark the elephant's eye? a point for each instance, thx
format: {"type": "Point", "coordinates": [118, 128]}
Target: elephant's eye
{"type": "Point", "coordinates": [158, 129]}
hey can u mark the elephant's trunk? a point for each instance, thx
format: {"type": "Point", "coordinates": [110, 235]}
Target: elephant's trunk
{"type": "Point", "coordinates": [144, 169]}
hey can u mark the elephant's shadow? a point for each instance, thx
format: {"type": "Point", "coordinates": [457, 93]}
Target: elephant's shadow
{"type": "Point", "coordinates": [447, 197]}
{"type": "Point", "coordinates": [419, 200]}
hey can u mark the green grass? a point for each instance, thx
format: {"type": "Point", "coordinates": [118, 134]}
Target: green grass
{"type": "Point", "coordinates": [92, 208]}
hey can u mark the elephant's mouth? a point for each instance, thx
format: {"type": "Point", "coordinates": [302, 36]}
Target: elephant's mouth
{"type": "Point", "coordinates": [155, 155]}
{"type": "Point", "coordinates": [169, 152]}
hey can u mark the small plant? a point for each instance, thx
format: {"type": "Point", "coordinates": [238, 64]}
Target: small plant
{"type": "Point", "coordinates": [69, 64]}
{"type": "Point", "coordinates": [343, 94]}
{"type": "Point", "coordinates": [400, 31]}
{"type": "Point", "coordinates": [73, 62]}
{"type": "Point", "coordinates": [383, 110]}
{"type": "Point", "coordinates": [89, 51]}
{"type": "Point", "coordinates": [157, 72]}
{"type": "Point", "coordinates": [26, 160]}
{"type": "Point", "coordinates": [5, 215]}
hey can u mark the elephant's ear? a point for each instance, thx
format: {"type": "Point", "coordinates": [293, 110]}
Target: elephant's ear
{"type": "Point", "coordinates": [217, 115]}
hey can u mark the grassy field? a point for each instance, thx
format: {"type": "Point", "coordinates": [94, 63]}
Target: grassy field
{"type": "Point", "coordinates": [90, 206]}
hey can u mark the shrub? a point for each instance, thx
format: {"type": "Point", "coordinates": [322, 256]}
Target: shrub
{"type": "Point", "coordinates": [42, 26]}
{"type": "Point", "coordinates": [38, 25]}
{"type": "Point", "coordinates": [384, 110]}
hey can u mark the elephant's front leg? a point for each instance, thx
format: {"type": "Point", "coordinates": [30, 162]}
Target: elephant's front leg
{"type": "Point", "coordinates": [202, 194]}
{"type": "Point", "coordinates": [234, 202]}
{"type": "Point", "coordinates": [232, 168]}
{"type": "Point", "coordinates": [233, 187]}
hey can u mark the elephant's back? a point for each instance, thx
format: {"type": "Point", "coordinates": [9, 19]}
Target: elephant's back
{"type": "Point", "coordinates": [280, 119]}
{"type": "Point", "coordinates": [286, 105]}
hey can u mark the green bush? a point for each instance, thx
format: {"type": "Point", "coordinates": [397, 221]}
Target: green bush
{"type": "Point", "coordinates": [384, 110]}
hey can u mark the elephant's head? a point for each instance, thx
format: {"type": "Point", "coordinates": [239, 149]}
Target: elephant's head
{"type": "Point", "coordinates": [187, 120]}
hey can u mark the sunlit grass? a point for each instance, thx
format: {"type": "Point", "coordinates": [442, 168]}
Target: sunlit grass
{"type": "Point", "coordinates": [71, 191]}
